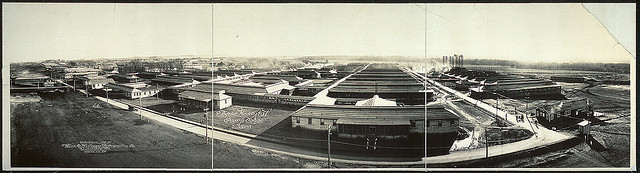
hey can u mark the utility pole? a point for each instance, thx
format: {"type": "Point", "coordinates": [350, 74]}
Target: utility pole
{"type": "Point", "coordinates": [486, 143]}
{"type": "Point", "coordinates": [107, 90]}
{"type": "Point", "coordinates": [497, 98]}
{"type": "Point", "coordinates": [86, 89]}
{"type": "Point", "coordinates": [329, 145]}
{"type": "Point", "coordinates": [375, 143]}
{"type": "Point", "coordinates": [367, 143]}
{"type": "Point", "coordinates": [140, 107]}
{"type": "Point", "coordinates": [206, 131]}
{"type": "Point", "coordinates": [212, 106]}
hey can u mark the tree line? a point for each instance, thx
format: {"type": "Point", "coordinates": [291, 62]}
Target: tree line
{"type": "Point", "coordinates": [602, 67]}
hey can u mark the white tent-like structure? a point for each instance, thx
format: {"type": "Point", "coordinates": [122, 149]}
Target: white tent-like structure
{"type": "Point", "coordinates": [376, 101]}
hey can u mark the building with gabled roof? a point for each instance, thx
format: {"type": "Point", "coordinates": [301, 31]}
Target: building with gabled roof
{"type": "Point", "coordinates": [570, 108]}
{"type": "Point", "coordinates": [95, 82]}
{"type": "Point", "coordinates": [517, 88]}
{"type": "Point", "coordinates": [383, 122]}
{"type": "Point", "coordinates": [376, 101]}
{"type": "Point", "coordinates": [205, 100]}
{"type": "Point", "coordinates": [71, 73]}
{"type": "Point", "coordinates": [134, 90]}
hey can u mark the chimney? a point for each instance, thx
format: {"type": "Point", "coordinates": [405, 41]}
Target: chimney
{"type": "Point", "coordinates": [461, 60]}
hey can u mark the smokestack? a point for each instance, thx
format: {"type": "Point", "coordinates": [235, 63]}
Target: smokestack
{"type": "Point", "coordinates": [455, 60]}
{"type": "Point", "coordinates": [450, 61]}
{"type": "Point", "coordinates": [461, 60]}
{"type": "Point", "coordinates": [443, 57]}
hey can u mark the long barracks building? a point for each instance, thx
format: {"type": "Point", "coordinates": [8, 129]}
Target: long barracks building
{"type": "Point", "coordinates": [382, 102]}
{"type": "Point", "coordinates": [382, 80]}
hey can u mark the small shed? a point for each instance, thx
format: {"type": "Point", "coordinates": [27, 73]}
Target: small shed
{"type": "Point", "coordinates": [584, 127]}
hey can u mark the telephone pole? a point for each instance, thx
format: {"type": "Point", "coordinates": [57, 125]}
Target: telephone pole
{"type": "Point", "coordinates": [486, 143]}
{"type": "Point", "coordinates": [206, 131]}
{"type": "Point", "coordinates": [107, 90]}
{"type": "Point", "coordinates": [497, 98]}
{"type": "Point", "coordinates": [329, 145]}
{"type": "Point", "coordinates": [140, 108]}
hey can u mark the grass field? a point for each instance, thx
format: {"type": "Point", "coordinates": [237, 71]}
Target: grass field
{"type": "Point", "coordinates": [254, 119]}
{"type": "Point", "coordinates": [249, 119]}
{"type": "Point", "coordinates": [42, 131]}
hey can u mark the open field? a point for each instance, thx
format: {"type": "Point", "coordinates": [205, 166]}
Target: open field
{"type": "Point", "coordinates": [580, 156]}
{"type": "Point", "coordinates": [254, 120]}
{"type": "Point", "coordinates": [47, 133]}
{"type": "Point", "coordinates": [250, 119]}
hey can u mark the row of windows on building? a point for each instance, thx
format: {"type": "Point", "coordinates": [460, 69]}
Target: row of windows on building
{"type": "Point", "coordinates": [413, 123]}
{"type": "Point", "coordinates": [381, 130]}
{"type": "Point", "coordinates": [322, 121]}
{"type": "Point", "coordinates": [529, 90]}
{"type": "Point", "coordinates": [143, 93]}
{"type": "Point", "coordinates": [437, 123]}
{"type": "Point", "coordinates": [276, 99]}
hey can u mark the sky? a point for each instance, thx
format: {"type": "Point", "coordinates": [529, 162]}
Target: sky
{"type": "Point", "coordinates": [524, 32]}
{"type": "Point", "coordinates": [527, 32]}
{"type": "Point", "coordinates": [73, 31]}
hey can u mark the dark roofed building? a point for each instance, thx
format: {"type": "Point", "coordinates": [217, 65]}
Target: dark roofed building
{"type": "Point", "coordinates": [173, 81]}
{"type": "Point", "coordinates": [292, 79]}
{"type": "Point", "coordinates": [150, 75]}
{"type": "Point", "coordinates": [233, 72]}
{"type": "Point", "coordinates": [517, 89]}
{"type": "Point", "coordinates": [126, 78]}
{"type": "Point", "coordinates": [570, 79]}
{"type": "Point", "coordinates": [306, 73]}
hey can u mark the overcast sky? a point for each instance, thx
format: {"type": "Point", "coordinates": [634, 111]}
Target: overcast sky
{"type": "Point", "coordinates": [527, 32]}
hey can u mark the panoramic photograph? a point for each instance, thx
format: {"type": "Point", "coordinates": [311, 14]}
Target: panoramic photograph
{"type": "Point", "coordinates": [405, 87]}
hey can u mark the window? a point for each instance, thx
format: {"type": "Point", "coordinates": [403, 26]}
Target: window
{"type": "Point", "coordinates": [439, 123]}
{"type": "Point", "coordinates": [413, 124]}
{"type": "Point", "coordinates": [309, 122]}
{"type": "Point", "coordinates": [321, 122]}
{"type": "Point", "coordinates": [297, 119]}
{"type": "Point", "coordinates": [453, 122]}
